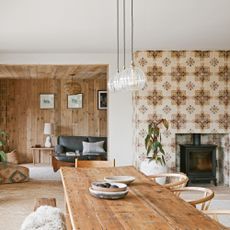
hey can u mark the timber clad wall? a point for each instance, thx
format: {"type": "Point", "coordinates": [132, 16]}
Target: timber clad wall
{"type": "Point", "coordinates": [22, 118]}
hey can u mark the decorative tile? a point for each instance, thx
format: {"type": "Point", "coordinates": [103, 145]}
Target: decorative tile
{"type": "Point", "coordinates": [155, 97]}
{"type": "Point", "coordinates": [224, 73]}
{"type": "Point", "coordinates": [202, 73]}
{"type": "Point", "coordinates": [202, 97]}
{"type": "Point", "coordinates": [178, 73]}
{"type": "Point", "coordinates": [190, 62]}
{"type": "Point", "coordinates": [154, 73]}
{"type": "Point", "coordinates": [224, 97]}
{"type": "Point", "coordinates": [214, 85]}
{"type": "Point", "coordinates": [178, 97]}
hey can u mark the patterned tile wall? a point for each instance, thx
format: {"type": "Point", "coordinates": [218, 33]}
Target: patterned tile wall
{"type": "Point", "coordinates": [189, 88]}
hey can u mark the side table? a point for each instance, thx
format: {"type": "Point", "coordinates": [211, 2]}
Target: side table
{"type": "Point", "coordinates": [39, 150]}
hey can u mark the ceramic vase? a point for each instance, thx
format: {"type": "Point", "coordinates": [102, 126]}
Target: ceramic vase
{"type": "Point", "coordinates": [151, 167]}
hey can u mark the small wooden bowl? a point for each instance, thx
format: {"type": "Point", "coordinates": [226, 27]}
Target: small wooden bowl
{"type": "Point", "coordinates": [96, 186]}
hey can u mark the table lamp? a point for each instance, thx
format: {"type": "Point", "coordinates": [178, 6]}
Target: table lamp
{"type": "Point", "coordinates": [48, 130]}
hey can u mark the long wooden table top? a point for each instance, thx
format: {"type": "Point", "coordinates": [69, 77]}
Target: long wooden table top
{"type": "Point", "coordinates": [146, 206]}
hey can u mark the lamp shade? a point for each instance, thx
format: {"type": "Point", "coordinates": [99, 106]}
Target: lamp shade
{"type": "Point", "coordinates": [48, 128]}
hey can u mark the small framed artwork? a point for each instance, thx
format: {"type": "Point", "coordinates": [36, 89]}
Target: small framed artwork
{"type": "Point", "coordinates": [74, 101]}
{"type": "Point", "coordinates": [46, 101]}
{"type": "Point", "coordinates": [102, 99]}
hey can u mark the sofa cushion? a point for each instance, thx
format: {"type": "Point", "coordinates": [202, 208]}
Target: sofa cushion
{"type": "Point", "coordinates": [72, 143]}
{"type": "Point", "coordinates": [93, 147]}
{"type": "Point", "coordinates": [97, 139]}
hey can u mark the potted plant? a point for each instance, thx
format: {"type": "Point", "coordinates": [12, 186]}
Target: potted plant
{"type": "Point", "coordinates": [154, 164]}
{"type": "Point", "coordinates": [3, 137]}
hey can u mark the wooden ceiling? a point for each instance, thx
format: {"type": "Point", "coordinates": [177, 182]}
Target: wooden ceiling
{"type": "Point", "coordinates": [53, 71]}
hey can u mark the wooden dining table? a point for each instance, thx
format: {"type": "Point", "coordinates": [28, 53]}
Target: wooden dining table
{"type": "Point", "coordinates": [146, 206]}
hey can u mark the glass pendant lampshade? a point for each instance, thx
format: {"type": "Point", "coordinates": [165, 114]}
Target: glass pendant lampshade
{"type": "Point", "coordinates": [132, 78]}
{"type": "Point", "coordinates": [114, 82]}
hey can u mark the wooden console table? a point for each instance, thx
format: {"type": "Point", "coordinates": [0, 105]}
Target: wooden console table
{"type": "Point", "coordinates": [146, 206]}
{"type": "Point", "coordinates": [40, 150]}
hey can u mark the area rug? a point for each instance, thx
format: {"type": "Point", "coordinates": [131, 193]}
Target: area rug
{"type": "Point", "coordinates": [17, 200]}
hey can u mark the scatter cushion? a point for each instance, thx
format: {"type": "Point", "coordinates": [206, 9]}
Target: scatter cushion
{"type": "Point", "coordinates": [11, 157]}
{"type": "Point", "coordinates": [45, 218]}
{"type": "Point", "coordinates": [93, 147]}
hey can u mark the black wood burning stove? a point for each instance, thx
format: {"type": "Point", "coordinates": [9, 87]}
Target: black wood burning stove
{"type": "Point", "coordinates": [198, 161]}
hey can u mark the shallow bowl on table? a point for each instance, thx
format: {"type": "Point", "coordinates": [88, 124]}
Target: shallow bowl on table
{"type": "Point", "coordinates": [108, 195]}
{"type": "Point", "coordinates": [120, 179]}
{"type": "Point", "coordinates": [108, 187]}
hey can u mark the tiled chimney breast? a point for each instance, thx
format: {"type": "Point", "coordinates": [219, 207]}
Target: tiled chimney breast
{"type": "Point", "coordinates": [191, 89]}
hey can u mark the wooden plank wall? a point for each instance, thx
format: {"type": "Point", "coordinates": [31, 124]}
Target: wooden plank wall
{"type": "Point", "coordinates": [22, 118]}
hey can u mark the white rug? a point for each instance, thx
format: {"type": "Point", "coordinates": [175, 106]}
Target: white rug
{"type": "Point", "coordinates": [45, 218]}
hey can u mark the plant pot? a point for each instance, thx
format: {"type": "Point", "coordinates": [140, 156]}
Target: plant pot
{"type": "Point", "coordinates": [151, 167]}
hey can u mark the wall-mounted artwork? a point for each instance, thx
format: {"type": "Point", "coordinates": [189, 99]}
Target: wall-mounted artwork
{"type": "Point", "coordinates": [46, 101]}
{"type": "Point", "coordinates": [102, 99]}
{"type": "Point", "coordinates": [74, 101]}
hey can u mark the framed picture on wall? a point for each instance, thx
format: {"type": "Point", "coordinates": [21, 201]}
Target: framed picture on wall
{"type": "Point", "coordinates": [46, 101]}
{"type": "Point", "coordinates": [102, 99]}
{"type": "Point", "coordinates": [74, 101]}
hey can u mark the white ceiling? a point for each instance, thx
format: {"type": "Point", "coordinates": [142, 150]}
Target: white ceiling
{"type": "Point", "coordinates": [89, 26]}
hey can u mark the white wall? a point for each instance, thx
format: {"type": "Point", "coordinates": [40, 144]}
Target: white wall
{"type": "Point", "coordinates": [120, 104]}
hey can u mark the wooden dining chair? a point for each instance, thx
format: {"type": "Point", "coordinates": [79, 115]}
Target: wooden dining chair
{"type": "Point", "coordinates": [94, 164]}
{"type": "Point", "coordinates": [172, 180]}
{"type": "Point", "coordinates": [205, 200]}
{"type": "Point", "coordinates": [216, 214]}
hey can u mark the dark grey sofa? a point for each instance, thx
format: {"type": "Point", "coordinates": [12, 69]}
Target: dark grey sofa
{"type": "Point", "coordinates": [73, 143]}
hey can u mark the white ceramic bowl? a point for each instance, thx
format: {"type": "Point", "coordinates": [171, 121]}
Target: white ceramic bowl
{"type": "Point", "coordinates": [118, 186]}
{"type": "Point", "coordinates": [108, 195]}
{"type": "Point", "coordinates": [120, 179]}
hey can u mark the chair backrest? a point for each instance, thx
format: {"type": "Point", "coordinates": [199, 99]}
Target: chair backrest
{"type": "Point", "coordinates": [172, 180]}
{"type": "Point", "coordinates": [94, 164]}
{"type": "Point", "coordinates": [204, 201]}
{"type": "Point", "coordinates": [217, 213]}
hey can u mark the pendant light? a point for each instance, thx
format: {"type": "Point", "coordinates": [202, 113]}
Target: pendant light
{"type": "Point", "coordinates": [132, 78]}
{"type": "Point", "coordinates": [113, 84]}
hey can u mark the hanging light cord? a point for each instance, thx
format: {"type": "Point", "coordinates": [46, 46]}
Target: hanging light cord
{"type": "Point", "coordinates": [132, 55]}
{"type": "Point", "coordinates": [118, 48]}
{"type": "Point", "coordinates": [124, 31]}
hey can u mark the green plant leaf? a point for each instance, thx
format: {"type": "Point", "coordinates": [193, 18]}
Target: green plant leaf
{"type": "Point", "coordinates": [153, 140]}
{"type": "Point", "coordinates": [163, 159]}
{"type": "Point", "coordinates": [150, 129]}
{"type": "Point", "coordinates": [147, 140]}
{"type": "Point", "coordinates": [165, 123]}
{"type": "Point", "coordinates": [149, 149]}
{"type": "Point", "coordinates": [159, 160]}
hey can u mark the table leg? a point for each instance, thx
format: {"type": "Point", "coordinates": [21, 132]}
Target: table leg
{"type": "Point", "coordinates": [39, 156]}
